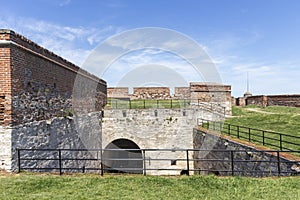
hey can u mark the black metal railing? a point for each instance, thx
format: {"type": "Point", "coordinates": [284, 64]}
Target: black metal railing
{"type": "Point", "coordinates": [272, 139]}
{"type": "Point", "coordinates": [164, 103]}
{"type": "Point", "coordinates": [185, 161]}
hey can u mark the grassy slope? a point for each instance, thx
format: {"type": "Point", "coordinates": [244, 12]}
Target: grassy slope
{"type": "Point", "coordinates": [274, 118]}
{"type": "Point", "coordinates": [29, 186]}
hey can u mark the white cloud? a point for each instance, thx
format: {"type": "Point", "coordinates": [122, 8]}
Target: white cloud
{"type": "Point", "coordinates": [72, 43]}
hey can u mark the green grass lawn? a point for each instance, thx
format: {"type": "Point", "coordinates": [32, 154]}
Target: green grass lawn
{"type": "Point", "coordinates": [41, 186]}
{"type": "Point", "coordinates": [279, 119]}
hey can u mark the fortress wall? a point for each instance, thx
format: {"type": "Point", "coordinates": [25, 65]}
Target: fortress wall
{"type": "Point", "coordinates": [118, 92]}
{"type": "Point", "coordinates": [255, 160]}
{"type": "Point", "coordinates": [40, 96]}
{"type": "Point", "coordinates": [274, 100]}
{"type": "Point", "coordinates": [182, 93]}
{"type": "Point", "coordinates": [151, 93]}
{"type": "Point", "coordinates": [156, 128]}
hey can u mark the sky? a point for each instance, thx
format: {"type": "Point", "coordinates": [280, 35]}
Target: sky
{"type": "Point", "coordinates": [258, 37]}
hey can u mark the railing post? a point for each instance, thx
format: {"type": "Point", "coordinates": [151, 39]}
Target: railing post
{"type": "Point", "coordinates": [59, 162]}
{"type": "Point", "coordinates": [101, 164]}
{"type": "Point", "coordinates": [129, 104]}
{"type": "Point", "coordinates": [144, 162]}
{"type": "Point", "coordinates": [187, 162]}
{"type": "Point", "coordinates": [220, 127]}
{"type": "Point", "coordinates": [228, 129]}
{"type": "Point", "coordinates": [19, 161]}
{"type": "Point", "coordinates": [238, 132]}
{"type": "Point", "coordinates": [232, 163]}
{"type": "Point", "coordinates": [144, 104]}
{"type": "Point", "coordinates": [278, 163]}
{"type": "Point", "coordinates": [249, 134]}
{"type": "Point", "coordinates": [280, 140]}
{"type": "Point", "coordinates": [171, 104]}
{"type": "Point", "coordinates": [263, 136]}
{"type": "Point", "coordinates": [157, 104]}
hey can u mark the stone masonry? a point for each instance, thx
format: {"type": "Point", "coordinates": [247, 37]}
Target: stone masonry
{"type": "Point", "coordinates": [41, 93]}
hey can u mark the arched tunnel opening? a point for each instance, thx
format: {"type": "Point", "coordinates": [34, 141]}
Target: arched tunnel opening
{"type": "Point", "coordinates": [122, 156]}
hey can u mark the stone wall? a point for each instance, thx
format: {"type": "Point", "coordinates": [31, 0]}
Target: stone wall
{"type": "Point", "coordinates": [155, 128]}
{"type": "Point", "coordinates": [240, 101]}
{"type": "Point", "coordinates": [118, 92]}
{"type": "Point", "coordinates": [38, 85]}
{"type": "Point", "coordinates": [255, 161]}
{"type": "Point", "coordinates": [151, 93]}
{"type": "Point", "coordinates": [269, 100]}
{"type": "Point", "coordinates": [284, 100]}
{"type": "Point", "coordinates": [182, 93]}
{"type": "Point", "coordinates": [211, 93]}
{"type": "Point", "coordinates": [257, 100]}
{"type": "Point", "coordinates": [79, 132]}
{"type": "Point", "coordinates": [39, 93]}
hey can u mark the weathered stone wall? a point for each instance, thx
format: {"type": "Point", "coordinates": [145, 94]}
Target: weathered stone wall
{"type": "Point", "coordinates": [240, 101]}
{"type": "Point", "coordinates": [155, 128]}
{"type": "Point", "coordinates": [256, 161]}
{"type": "Point", "coordinates": [37, 86]}
{"type": "Point", "coordinates": [274, 100]}
{"type": "Point", "coordinates": [151, 93]}
{"type": "Point", "coordinates": [182, 93]}
{"type": "Point", "coordinates": [257, 100]}
{"type": "Point", "coordinates": [79, 132]}
{"type": "Point", "coordinates": [5, 148]}
{"type": "Point", "coordinates": [284, 100]}
{"type": "Point", "coordinates": [211, 93]}
{"type": "Point", "coordinates": [118, 92]}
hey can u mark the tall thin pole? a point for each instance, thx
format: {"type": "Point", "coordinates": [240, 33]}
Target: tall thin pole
{"type": "Point", "coordinates": [247, 81]}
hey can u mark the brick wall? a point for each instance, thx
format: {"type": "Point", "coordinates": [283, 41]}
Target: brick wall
{"type": "Point", "coordinates": [37, 84]}
{"type": "Point", "coordinates": [118, 92]}
{"type": "Point", "coordinates": [202, 91]}
{"type": "Point", "coordinates": [274, 100]}
{"type": "Point", "coordinates": [206, 92]}
{"type": "Point", "coordinates": [5, 82]}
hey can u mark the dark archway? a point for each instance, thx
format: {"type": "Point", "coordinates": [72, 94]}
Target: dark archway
{"type": "Point", "coordinates": [118, 159]}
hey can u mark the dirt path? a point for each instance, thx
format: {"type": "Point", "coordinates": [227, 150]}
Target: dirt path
{"type": "Point", "coordinates": [260, 111]}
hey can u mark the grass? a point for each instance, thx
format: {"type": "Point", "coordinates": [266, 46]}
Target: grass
{"type": "Point", "coordinates": [34, 186]}
{"type": "Point", "coordinates": [279, 119]}
{"type": "Point", "coordinates": [142, 104]}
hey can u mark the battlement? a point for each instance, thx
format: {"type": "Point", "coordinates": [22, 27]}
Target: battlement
{"type": "Point", "coordinates": [205, 92]}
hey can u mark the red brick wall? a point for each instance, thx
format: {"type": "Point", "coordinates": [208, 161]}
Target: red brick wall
{"type": "Point", "coordinates": [275, 100]}
{"type": "Point", "coordinates": [206, 92]}
{"type": "Point", "coordinates": [5, 82]}
{"type": "Point", "coordinates": [41, 83]}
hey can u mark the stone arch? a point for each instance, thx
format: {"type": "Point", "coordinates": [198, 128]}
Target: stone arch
{"type": "Point", "coordinates": [123, 156]}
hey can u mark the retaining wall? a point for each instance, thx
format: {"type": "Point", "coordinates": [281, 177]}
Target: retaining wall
{"type": "Point", "coordinates": [257, 163]}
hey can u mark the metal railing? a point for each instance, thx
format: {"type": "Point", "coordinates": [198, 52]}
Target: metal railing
{"type": "Point", "coordinates": [165, 104]}
{"type": "Point", "coordinates": [272, 139]}
{"type": "Point", "coordinates": [220, 162]}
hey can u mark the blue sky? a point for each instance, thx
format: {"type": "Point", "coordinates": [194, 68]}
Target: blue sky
{"type": "Point", "coordinates": [256, 36]}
